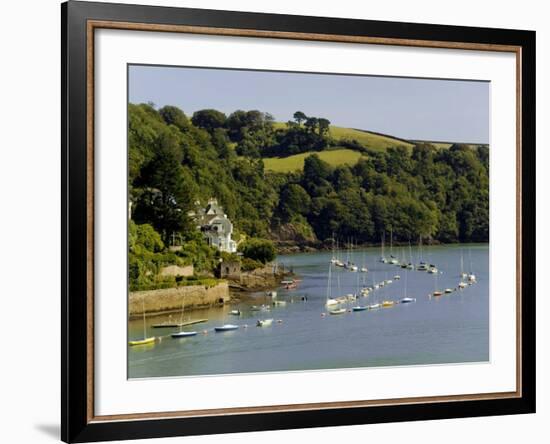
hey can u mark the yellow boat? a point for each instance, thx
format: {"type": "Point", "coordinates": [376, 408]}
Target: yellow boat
{"type": "Point", "coordinates": [142, 341]}
{"type": "Point", "coordinates": [145, 339]}
{"type": "Point", "coordinates": [388, 303]}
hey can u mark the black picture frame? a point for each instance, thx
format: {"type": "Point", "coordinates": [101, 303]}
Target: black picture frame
{"type": "Point", "coordinates": [76, 327]}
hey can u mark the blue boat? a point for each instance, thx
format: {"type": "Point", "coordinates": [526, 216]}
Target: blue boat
{"type": "Point", "coordinates": [360, 308]}
{"type": "Point", "coordinates": [226, 327]}
{"type": "Point", "coordinates": [183, 334]}
{"type": "Point", "coordinates": [407, 300]}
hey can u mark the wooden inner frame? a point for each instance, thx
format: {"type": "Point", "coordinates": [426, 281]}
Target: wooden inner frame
{"type": "Point", "coordinates": [92, 25]}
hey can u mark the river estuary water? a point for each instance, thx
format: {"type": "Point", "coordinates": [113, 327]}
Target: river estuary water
{"type": "Point", "coordinates": [453, 328]}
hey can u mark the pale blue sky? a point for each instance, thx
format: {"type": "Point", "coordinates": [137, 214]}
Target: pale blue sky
{"type": "Point", "coordinates": [428, 109]}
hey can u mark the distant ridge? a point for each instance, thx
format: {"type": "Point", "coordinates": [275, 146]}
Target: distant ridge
{"type": "Point", "coordinates": [408, 141]}
{"type": "Point", "coordinates": [389, 136]}
{"type": "Point", "coordinates": [443, 142]}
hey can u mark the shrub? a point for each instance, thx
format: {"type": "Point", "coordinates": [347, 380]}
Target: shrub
{"type": "Point", "coordinates": [259, 250]}
{"type": "Point", "coordinates": [248, 264]}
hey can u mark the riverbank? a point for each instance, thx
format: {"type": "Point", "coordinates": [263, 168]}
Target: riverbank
{"type": "Point", "coordinates": [453, 328]}
{"type": "Point", "coordinates": [260, 279]}
{"type": "Point", "coordinates": [291, 247]}
{"type": "Point", "coordinates": [167, 300]}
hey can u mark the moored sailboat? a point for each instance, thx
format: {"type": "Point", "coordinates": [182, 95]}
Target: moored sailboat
{"type": "Point", "coordinates": [226, 327]}
{"type": "Point", "coordinates": [436, 292]}
{"type": "Point", "coordinates": [406, 299]}
{"type": "Point", "coordinates": [145, 339]}
{"type": "Point", "coordinates": [382, 256]}
{"type": "Point", "coordinates": [393, 260]}
{"type": "Point", "coordinates": [330, 301]}
{"type": "Point", "coordinates": [181, 333]}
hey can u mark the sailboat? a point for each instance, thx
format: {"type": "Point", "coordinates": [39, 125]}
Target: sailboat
{"type": "Point", "coordinates": [432, 269]}
{"type": "Point", "coordinates": [393, 259]}
{"type": "Point", "coordinates": [375, 286]}
{"type": "Point", "coordinates": [406, 299]}
{"type": "Point", "coordinates": [382, 256]}
{"type": "Point", "coordinates": [264, 322]}
{"type": "Point", "coordinates": [364, 268]}
{"type": "Point", "coordinates": [375, 305]}
{"type": "Point", "coordinates": [338, 262]}
{"type": "Point", "coordinates": [225, 327]}
{"type": "Point", "coordinates": [181, 333]}
{"type": "Point", "coordinates": [337, 311]}
{"type": "Point", "coordinates": [471, 275]}
{"type": "Point", "coordinates": [145, 339]}
{"type": "Point", "coordinates": [463, 274]}
{"type": "Point", "coordinates": [359, 292]}
{"type": "Point", "coordinates": [330, 301]}
{"type": "Point", "coordinates": [436, 291]}
{"type": "Point", "coordinates": [350, 265]}
{"type": "Point", "coordinates": [422, 266]}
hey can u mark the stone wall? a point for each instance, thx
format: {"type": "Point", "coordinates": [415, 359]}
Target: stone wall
{"type": "Point", "coordinates": [170, 299]}
{"type": "Point", "coordinates": [175, 270]}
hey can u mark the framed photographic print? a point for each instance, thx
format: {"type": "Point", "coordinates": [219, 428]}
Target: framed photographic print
{"type": "Point", "coordinates": [276, 221]}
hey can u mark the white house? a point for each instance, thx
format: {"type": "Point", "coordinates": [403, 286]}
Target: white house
{"type": "Point", "coordinates": [216, 227]}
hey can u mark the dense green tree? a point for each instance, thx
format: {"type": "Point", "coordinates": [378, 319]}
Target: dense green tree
{"type": "Point", "coordinates": [299, 117]}
{"type": "Point", "coordinates": [209, 119]}
{"type": "Point", "coordinates": [311, 124]}
{"type": "Point", "coordinates": [293, 200]}
{"type": "Point", "coordinates": [166, 197]}
{"type": "Point", "coordinates": [174, 162]}
{"type": "Point", "coordinates": [324, 126]}
{"type": "Point", "coordinates": [172, 115]}
{"type": "Point", "coordinates": [260, 250]}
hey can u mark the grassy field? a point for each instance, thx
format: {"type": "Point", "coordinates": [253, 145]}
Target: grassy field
{"type": "Point", "coordinates": [334, 157]}
{"type": "Point", "coordinates": [371, 140]}
{"type": "Point", "coordinates": [338, 156]}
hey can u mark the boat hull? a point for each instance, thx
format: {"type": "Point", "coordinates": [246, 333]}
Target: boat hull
{"type": "Point", "coordinates": [407, 300]}
{"type": "Point", "coordinates": [184, 334]}
{"type": "Point", "coordinates": [142, 341]}
{"type": "Point", "coordinates": [337, 312]}
{"type": "Point", "coordinates": [226, 328]}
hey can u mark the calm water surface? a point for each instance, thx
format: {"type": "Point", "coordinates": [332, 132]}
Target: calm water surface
{"type": "Point", "coordinates": [450, 329]}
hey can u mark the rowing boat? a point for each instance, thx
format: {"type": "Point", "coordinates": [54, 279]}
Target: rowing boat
{"type": "Point", "coordinates": [142, 341]}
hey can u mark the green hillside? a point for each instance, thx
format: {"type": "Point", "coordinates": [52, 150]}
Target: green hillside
{"type": "Point", "coordinates": [334, 157]}
{"type": "Point", "coordinates": [371, 140]}
{"type": "Point", "coordinates": [366, 138]}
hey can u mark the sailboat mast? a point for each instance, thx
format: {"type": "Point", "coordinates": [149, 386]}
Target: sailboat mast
{"type": "Point", "coordinates": [182, 308]}
{"type": "Point", "coordinates": [143, 310]}
{"type": "Point", "coordinates": [328, 284]}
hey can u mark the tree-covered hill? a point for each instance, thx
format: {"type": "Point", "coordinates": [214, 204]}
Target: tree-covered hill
{"type": "Point", "coordinates": [416, 189]}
